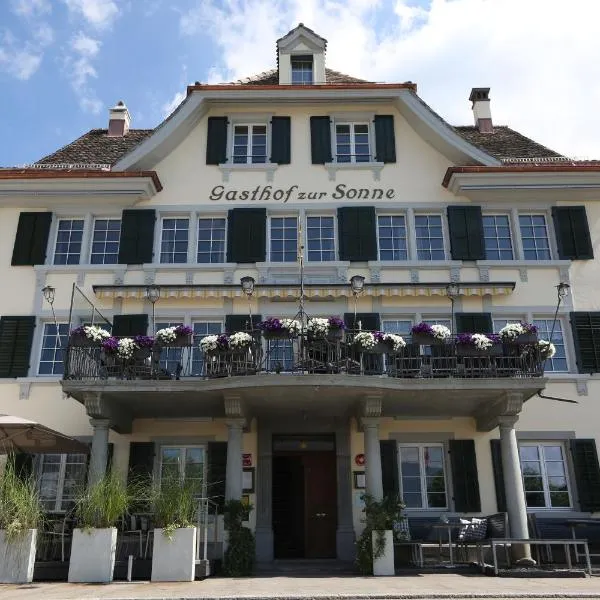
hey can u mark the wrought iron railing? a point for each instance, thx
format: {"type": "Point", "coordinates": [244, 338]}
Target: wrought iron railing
{"type": "Point", "coordinates": [303, 355]}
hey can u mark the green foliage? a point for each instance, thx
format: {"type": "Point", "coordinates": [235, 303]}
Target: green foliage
{"type": "Point", "coordinates": [380, 516]}
{"type": "Point", "coordinates": [102, 504]}
{"type": "Point", "coordinates": [20, 507]}
{"type": "Point", "coordinates": [241, 549]}
{"type": "Point", "coordinates": [175, 504]}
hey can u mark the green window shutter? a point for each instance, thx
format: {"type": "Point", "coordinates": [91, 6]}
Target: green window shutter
{"type": "Point", "coordinates": [246, 235]}
{"type": "Point", "coordinates": [130, 325]}
{"type": "Point", "coordinates": [137, 237]}
{"type": "Point", "coordinates": [217, 472]}
{"type": "Point", "coordinates": [385, 139]}
{"type": "Point", "coordinates": [464, 476]}
{"type": "Point", "coordinates": [280, 140]}
{"type": "Point", "coordinates": [31, 241]}
{"type": "Point", "coordinates": [587, 473]}
{"type": "Point", "coordinates": [141, 460]}
{"type": "Point", "coordinates": [572, 232]}
{"type": "Point", "coordinates": [473, 322]}
{"type": "Point", "coordinates": [586, 335]}
{"type": "Point", "coordinates": [389, 467]}
{"type": "Point", "coordinates": [16, 336]}
{"type": "Point", "coordinates": [357, 233]}
{"type": "Point", "coordinates": [368, 321]}
{"type": "Point", "coordinates": [498, 475]}
{"type": "Point", "coordinates": [235, 323]}
{"type": "Point", "coordinates": [216, 141]}
{"type": "Point", "coordinates": [320, 140]}
{"type": "Point", "coordinates": [465, 224]}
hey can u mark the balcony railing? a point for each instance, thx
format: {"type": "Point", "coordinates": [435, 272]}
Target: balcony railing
{"type": "Point", "coordinates": [304, 356]}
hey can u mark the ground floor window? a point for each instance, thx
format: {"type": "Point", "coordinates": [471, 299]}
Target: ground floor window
{"type": "Point", "coordinates": [545, 475]}
{"type": "Point", "coordinates": [60, 477]}
{"type": "Point", "coordinates": [183, 463]}
{"type": "Point", "coordinates": [422, 475]}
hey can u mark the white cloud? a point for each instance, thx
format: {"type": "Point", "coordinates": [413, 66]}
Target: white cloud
{"type": "Point", "coordinates": [21, 64]}
{"type": "Point", "coordinates": [539, 56]}
{"type": "Point", "coordinates": [168, 107]}
{"type": "Point", "coordinates": [43, 34]}
{"type": "Point", "coordinates": [80, 69]}
{"type": "Point", "coordinates": [31, 8]}
{"type": "Point", "coordinates": [85, 45]}
{"type": "Point", "coordinates": [97, 13]}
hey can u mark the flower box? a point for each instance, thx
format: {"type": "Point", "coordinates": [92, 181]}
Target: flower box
{"type": "Point", "coordinates": [82, 341]}
{"type": "Point", "coordinates": [378, 348]}
{"type": "Point", "coordinates": [174, 554]}
{"type": "Point", "coordinates": [181, 341]}
{"type": "Point", "coordinates": [422, 339]}
{"type": "Point", "coordinates": [526, 338]}
{"type": "Point", "coordinates": [470, 350]}
{"type": "Point", "coordinates": [280, 334]}
{"type": "Point", "coordinates": [335, 335]}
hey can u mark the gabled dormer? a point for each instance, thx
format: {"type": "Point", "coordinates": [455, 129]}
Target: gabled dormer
{"type": "Point", "coordinates": [301, 57]}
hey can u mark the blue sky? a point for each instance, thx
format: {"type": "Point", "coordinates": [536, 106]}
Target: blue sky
{"type": "Point", "coordinates": [63, 63]}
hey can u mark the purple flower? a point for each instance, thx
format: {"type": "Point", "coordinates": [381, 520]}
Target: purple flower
{"type": "Point", "coordinates": [378, 335]}
{"type": "Point", "coordinates": [464, 339]}
{"type": "Point", "coordinates": [270, 324]}
{"type": "Point", "coordinates": [144, 341]}
{"type": "Point", "coordinates": [496, 339]}
{"type": "Point", "coordinates": [183, 330]}
{"type": "Point", "coordinates": [110, 344]}
{"type": "Point", "coordinates": [529, 327]}
{"type": "Point", "coordinates": [422, 328]}
{"type": "Point", "coordinates": [80, 331]}
{"type": "Point", "coordinates": [336, 323]}
{"type": "Point", "coordinates": [223, 342]}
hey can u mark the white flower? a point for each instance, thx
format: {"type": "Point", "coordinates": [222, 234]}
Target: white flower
{"type": "Point", "coordinates": [318, 326]}
{"type": "Point", "coordinates": [481, 342]}
{"type": "Point", "coordinates": [95, 333]}
{"type": "Point", "coordinates": [441, 332]}
{"type": "Point", "coordinates": [291, 325]}
{"type": "Point", "coordinates": [166, 335]}
{"type": "Point", "coordinates": [240, 339]}
{"type": "Point", "coordinates": [209, 343]}
{"type": "Point", "coordinates": [365, 340]}
{"type": "Point", "coordinates": [126, 348]}
{"type": "Point", "coordinates": [547, 349]}
{"type": "Point", "coordinates": [511, 331]}
{"type": "Point", "coordinates": [397, 341]}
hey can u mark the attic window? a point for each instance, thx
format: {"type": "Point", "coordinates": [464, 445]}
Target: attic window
{"type": "Point", "coordinates": [302, 70]}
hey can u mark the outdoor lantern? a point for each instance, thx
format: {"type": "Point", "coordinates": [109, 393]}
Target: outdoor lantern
{"type": "Point", "coordinates": [153, 293]}
{"type": "Point", "coordinates": [563, 290]}
{"type": "Point", "coordinates": [49, 293]}
{"type": "Point", "coordinates": [247, 285]}
{"type": "Point", "coordinates": [452, 290]}
{"type": "Point", "coordinates": [357, 283]}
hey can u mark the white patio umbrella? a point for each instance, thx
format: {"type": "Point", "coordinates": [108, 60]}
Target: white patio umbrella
{"type": "Point", "coordinates": [22, 435]}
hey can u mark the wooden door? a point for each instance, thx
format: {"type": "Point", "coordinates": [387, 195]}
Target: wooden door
{"type": "Point", "coordinates": [320, 485]}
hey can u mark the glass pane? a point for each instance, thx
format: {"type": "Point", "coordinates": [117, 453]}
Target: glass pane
{"type": "Point", "coordinates": [528, 453]}
{"type": "Point", "coordinates": [535, 499]}
{"type": "Point", "coordinates": [412, 500]}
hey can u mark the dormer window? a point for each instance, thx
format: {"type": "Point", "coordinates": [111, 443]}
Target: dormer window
{"type": "Point", "coordinates": [302, 70]}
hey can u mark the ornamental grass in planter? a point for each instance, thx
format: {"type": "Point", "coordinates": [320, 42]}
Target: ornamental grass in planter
{"type": "Point", "coordinates": [20, 516]}
{"type": "Point", "coordinates": [175, 514]}
{"type": "Point", "coordinates": [98, 509]}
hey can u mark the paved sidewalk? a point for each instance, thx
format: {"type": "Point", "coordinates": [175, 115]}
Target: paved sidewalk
{"type": "Point", "coordinates": [429, 586]}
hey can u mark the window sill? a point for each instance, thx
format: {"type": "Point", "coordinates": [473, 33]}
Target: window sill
{"type": "Point", "coordinates": [512, 264]}
{"type": "Point", "coordinates": [374, 166]}
{"type": "Point", "coordinates": [415, 264]}
{"type": "Point", "coordinates": [268, 168]}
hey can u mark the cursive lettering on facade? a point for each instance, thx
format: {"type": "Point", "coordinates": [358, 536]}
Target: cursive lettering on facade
{"type": "Point", "coordinates": [267, 193]}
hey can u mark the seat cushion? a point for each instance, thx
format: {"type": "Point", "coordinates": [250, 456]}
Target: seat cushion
{"type": "Point", "coordinates": [472, 530]}
{"type": "Point", "coordinates": [402, 530]}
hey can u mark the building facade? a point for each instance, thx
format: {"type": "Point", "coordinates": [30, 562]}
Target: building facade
{"type": "Point", "coordinates": [363, 179]}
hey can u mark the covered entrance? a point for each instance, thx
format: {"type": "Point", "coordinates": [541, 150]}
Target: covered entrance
{"type": "Point", "coordinates": [304, 496]}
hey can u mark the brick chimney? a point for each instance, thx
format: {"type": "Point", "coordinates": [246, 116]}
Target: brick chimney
{"type": "Point", "coordinates": [118, 120]}
{"type": "Point", "coordinates": [481, 109]}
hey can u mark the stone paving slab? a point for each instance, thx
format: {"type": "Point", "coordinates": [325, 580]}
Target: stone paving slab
{"type": "Point", "coordinates": [430, 586]}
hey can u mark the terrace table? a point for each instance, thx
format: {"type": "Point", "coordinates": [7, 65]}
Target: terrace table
{"type": "Point", "coordinates": [440, 527]}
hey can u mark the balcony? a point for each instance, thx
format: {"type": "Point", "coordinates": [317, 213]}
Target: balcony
{"type": "Point", "coordinates": [325, 376]}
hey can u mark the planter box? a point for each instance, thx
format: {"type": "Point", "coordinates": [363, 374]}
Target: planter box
{"type": "Point", "coordinates": [384, 565]}
{"type": "Point", "coordinates": [284, 334]}
{"type": "Point", "coordinates": [181, 341]}
{"type": "Point", "coordinates": [379, 348]}
{"type": "Point", "coordinates": [174, 558]}
{"type": "Point", "coordinates": [524, 338]}
{"type": "Point", "coordinates": [17, 557]}
{"type": "Point", "coordinates": [82, 340]}
{"type": "Point", "coordinates": [426, 340]}
{"type": "Point", "coordinates": [93, 555]}
{"type": "Point", "coordinates": [469, 350]}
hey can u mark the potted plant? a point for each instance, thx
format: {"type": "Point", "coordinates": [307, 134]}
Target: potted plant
{"type": "Point", "coordinates": [176, 336]}
{"type": "Point", "coordinates": [274, 328]}
{"type": "Point", "coordinates": [175, 513]}
{"type": "Point", "coordinates": [394, 343]}
{"type": "Point", "coordinates": [425, 334]}
{"type": "Point", "coordinates": [519, 333]}
{"type": "Point", "coordinates": [331, 329]}
{"type": "Point", "coordinates": [97, 510]}
{"type": "Point", "coordinates": [375, 546]}
{"type": "Point", "coordinates": [478, 344]}
{"type": "Point", "coordinates": [143, 345]}
{"type": "Point", "coordinates": [547, 349]}
{"type": "Point", "coordinates": [88, 335]}
{"type": "Point", "coordinates": [20, 516]}
{"type": "Point", "coordinates": [241, 547]}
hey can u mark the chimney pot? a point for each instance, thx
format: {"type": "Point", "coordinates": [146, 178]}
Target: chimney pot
{"type": "Point", "coordinates": [480, 97]}
{"type": "Point", "coordinates": [118, 120]}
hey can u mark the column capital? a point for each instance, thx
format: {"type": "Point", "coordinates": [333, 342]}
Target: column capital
{"type": "Point", "coordinates": [372, 405]}
{"type": "Point", "coordinates": [237, 423]}
{"type": "Point", "coordinates": [507, 421]}
{"type": "Point", "coordinates": [233, 405]}
{"type": "Point", "coordinates": [100, 423]}
{"type": "Point", "coordinates": [370, 422]}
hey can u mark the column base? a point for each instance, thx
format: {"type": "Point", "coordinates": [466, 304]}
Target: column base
{"type": "Point", "coordinates": [345, 544]}
{"type": "Point", "coordinates": [264, 545]}
{"type": "Point", "coordinates": [525, 562]}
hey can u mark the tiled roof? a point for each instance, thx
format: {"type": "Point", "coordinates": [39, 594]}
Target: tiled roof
{"type": "Point", "coordinates": [271, 77]}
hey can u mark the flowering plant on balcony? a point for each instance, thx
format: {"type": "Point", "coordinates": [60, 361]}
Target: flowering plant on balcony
{"type": "Point", "coordinates": [396, 342]}
{"type": "Point", "coordinates": [318, 327]}
{"type": "Point", "coordinates": [143, 341]}
{"type": "Point", "coordinates": [477, 340]}
{"type": "Point", "coordinates": [336, 323]}
{"type": "Point", "coordinates": [126, 348]}
{"type": "Point", "coordinates": [511, 331]}
{"type": "Point", "coordinates": [90, 332]}
{"type": "Point", "coordinates": [547, 349]}
{"type": "Point", "coordinates": [240, 340]}
{"type": "Point", "coordinates": [365, 340]}
{"type": "Point", "coordinates": [168, 335]}
{"type": "Point", "coordinates": [284, 327]}
{"type": "Point", "coordinates": [440, 332]}
{"type": "Point", "coordinates": [211, 343]}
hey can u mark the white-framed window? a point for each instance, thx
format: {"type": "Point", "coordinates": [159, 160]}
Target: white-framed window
{"type": "Point", "coordinates": [211, 239]}
{"type": "Point", "coordinates": [60, 478]}
{"type": "Point", "coordinates": [545, 475]}
{"type": "Point", "coordinates": [279, 355]}
{"type": "Point", "coordinates": [184, 463]}
{"type": "Point", "coordinates": [302, 70]}
{"type": "Point", "coordinates": [283, 239]}
{"type": "Point", "coordinates": [391, 233]}
{"type": "Point", "coordinates": [352, 142]}
{"type": "Point", "coordinates": [51, 353]}
{"type": "Point", "coordinates": [320, 238]}
{"type": "Point", "coordinates": [174, 240]}
{"type": "Point", "coordinates": [170, 357]}
{"type": "Point", "coordinates": [534, 237]}
{"type": "Point", "coordinates": [497, 237]}
{"type": "Point", "coordinates": [105, 242]}
{"type": "Point", "coordinates": [422, 476]}
{"type": "Point", "coordinates": [558, 363]}
{"type": "Point", "coordinates": [398, 326]}
{"type": "Point", "coordinates": [250, 143]}
{"type": "Point", "coordinates": [429, 233]}
{"type": "Point", "coordinates": [69, 235]}
{"type": "Point", "coordinates": [202, 329]}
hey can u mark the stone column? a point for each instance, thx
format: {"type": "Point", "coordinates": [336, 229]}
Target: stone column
{"type": "Point", "coordinates": [234, 476]}
{"type": "Point", "coordinates": [513, 487]}
{"type": "Point", "coordinates": [345, 527]}
{"type": "Point", "coordinates": [264, 494]}
{"type": "Point", "coordinates": [372, 457]}
{"type": "Point", "coordinates": [99, 455]}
